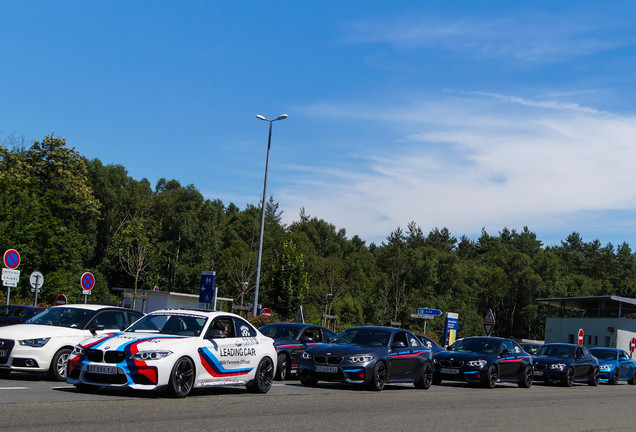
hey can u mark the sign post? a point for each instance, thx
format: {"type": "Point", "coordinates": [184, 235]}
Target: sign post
{"type": "Point", "coordinates": [37, 280]}
{"type": "Point", "coordinates": [425, 313]}
{"type": "Point", "coordinates": [581, 336]}
{"type": "Point", "coordinates": [207, 294]}
{"type": "Point", "coordinates": [489, 322]}
{"type": "Point", "coordinates": [10, 276]}
{"type": "Point", "coordinates": [87, 281]}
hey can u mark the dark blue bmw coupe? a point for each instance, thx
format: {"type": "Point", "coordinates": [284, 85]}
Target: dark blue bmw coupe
{"type": "Point", "coordinates": [371, 356]}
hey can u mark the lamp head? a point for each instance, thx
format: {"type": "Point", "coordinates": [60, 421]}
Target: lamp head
{"type": "Point", "coordinates": [261, 117]}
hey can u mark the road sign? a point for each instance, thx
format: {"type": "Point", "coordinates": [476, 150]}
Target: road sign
{"type": "Point", "coordinates": [36, 280]}
{"type": "Point", "coordinates": [450, 330]}
{"type": "Point", "coordinates": [425, 311]}
{"type": "Point", "coordinates": [60, 300]}
{"type": "Point", "coordinates": [267, 312]}
{"type": "Point", "coordinates": [156, 288]}
{"type": "Point", "coordinates": [581, 334]}
{"type": "Point", "coordinates": [489, 322]}
{"type": "Point", "coordinates": [10, 277]}
{"type": "Point", "coordinates": [87, 281]}
{"type": "Point", "coordinates": [207, 287]}
{"type": "Point", "coordinates": [11, 259]}
{"type": "Point", "coordinates": [632, 345]}
{"type": "Point", "coordinates": [418, 315]}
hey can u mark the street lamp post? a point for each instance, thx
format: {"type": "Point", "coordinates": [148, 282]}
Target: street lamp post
{"type": "Point", "coordinates": [260, 237]}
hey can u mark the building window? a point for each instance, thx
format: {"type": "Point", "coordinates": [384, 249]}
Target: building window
{"type": "Point", "coordinates": [571, 338]}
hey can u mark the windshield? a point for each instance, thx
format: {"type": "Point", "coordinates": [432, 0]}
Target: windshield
{"type": "Point", "coordinates": [63, 317]}
{"type": "Point", "coordinates": [560, 351]}
{"type": "Point", "coordinates": [477, 345]}
{"type": "Point", "coordinates": [275, 331]}
{"type": "Point", "coordinates": [363, 336]}
{"type": "Point", "coordinates": [170, 324]}
{"type": "Point", "coordinates": [603, 354]}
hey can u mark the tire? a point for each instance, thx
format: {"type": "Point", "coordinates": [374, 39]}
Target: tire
{"type": "Point", "coordinates": [632, 380]}
{"type": "Point", "coordinates": [283, 368]}
{"type": "Point", "coordinates": [595, 376]}
{"type": "Point", "coordinates": [181, 378]}
{"type": "Point", "coordinates": [614, 379]}
{"type": "Point", "coordinates": [526, 378]}
{"type": "Point", "coordinates": [264, 376]}
{"type": "Point", "coordinates": [426, 377]}
{"type": "Point", "coordinates": [308, 382]}
{"type": "Point", "coordinates": [59, 365]}
{"type": "Point", "coordinates": [568, 378]}
{"type": "Point", "coordinates": [378, 379]}
{"type": "Point", "coordinates": [4, 373]}
{"type": "Point", "coordinates": [86, 388]}
{"type": "Point", "coordinates": [490, 379]}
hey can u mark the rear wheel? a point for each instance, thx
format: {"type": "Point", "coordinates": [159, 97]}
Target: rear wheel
{"type": "Point", "coordinates": [426, 378]}
{"type": "Point", "coordinates": [283, 367]}
{"type": "Point", "coordinates": [58, 368]}
{"type": "Point", "coordinates": [568, 378]}
{"type": "Point", "coordinates": [378, 380]}
{"type": "Point", "coordinates": [595, 376]}
{"type": "Point", "coordinates": [526, 378]}
{"type": "Point", "coordinates": [489, 379]}
{"type": "Point", "coordinates": [614, 379]}
{"type": "Point", "coordinates": [264, 377]}
{"type": "Point", "coordinates": [181, 378]}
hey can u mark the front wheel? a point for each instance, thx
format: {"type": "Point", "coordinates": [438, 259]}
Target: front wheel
{"type": "Point", "coordinates": [58, 368]}
{"type": "Point", "coordinates": [426, 378]}
{"type": "Point", "coordinates": [378, 380]}
{"type": "Point", "coordinates": [264, 376]}
{"type": "Point", "coordinates": [595, 376]}
{"type": "Point", "coordinates": [526, 377]}
{"type": "Point", "coordinates": [283, 368]}
{"type": "Point", "coordinates": [614, 379]}
{"type": "Point", "coordinates": [181, 378]}
{"type": "Point", "coordinates": [489, 380]}
{"type": "Point", "coordinates": [568, 378]}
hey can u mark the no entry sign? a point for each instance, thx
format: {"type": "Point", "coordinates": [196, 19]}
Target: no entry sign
{"type": "Point", "coordinates": [11, 259]}
{"type": "Point", "coordinates": [581, 334]}
{"type": "Point", "coordinates": [87, 281]}
{"type": "Point", "coordinates": [632, 345]}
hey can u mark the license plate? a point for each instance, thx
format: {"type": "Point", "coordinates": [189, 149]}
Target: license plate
{"type": "Point", "coordinates": [538, 373]}
{"type": "Point", "coordinates": [4, 353]}
{"type": "Point", "coordinates": [104, 370]}
{"type": "Point", "coordinates": [450, 371]}
{"type": "Point", "coordinates": [328, 369]}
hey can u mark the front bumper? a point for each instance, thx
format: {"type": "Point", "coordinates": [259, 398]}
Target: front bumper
{"type": "Point", "coordinates": [134, 375]}
{"type": "Point", "coordinates": [22, 358]}
{"type": "Point", "coordinates": [352, 373]}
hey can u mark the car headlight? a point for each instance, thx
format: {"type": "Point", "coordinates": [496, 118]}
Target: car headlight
{"type": "Point", "coordinates": [151, 355]}
{"type": "Point", "coordinates": [477, 363]}
{"type": "Point", "coordinates": [35, 343]}
{"type": "Point", "coordinates": [78, 350]}
{"type": "Point", "coordinates": [559, 366]}
{"type": "Point", "coordinates": [606, 368]}
{"type": "Point", "coordinates": [362, 358]}
{"type": "Point", "coordinates": [307, 356]}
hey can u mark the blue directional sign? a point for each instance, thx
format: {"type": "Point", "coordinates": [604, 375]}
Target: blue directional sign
{"type": "Point", "coordinates": [450, 330]}
{"type": "Point", "coordinates": [425, 311]}
{"type": "Point", "coordinates": [207, 287]}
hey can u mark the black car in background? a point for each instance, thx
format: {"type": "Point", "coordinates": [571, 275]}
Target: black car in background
{"type": "Point", "coordinates": [430, 343]}
{"type": "Point", "coordinates": [291, 340]}
{"type": "Point", "coordinates": [17, 314]}
{"type": "Point", "coordinates": [371, 356]}
{"type": "Point", "coordinates": [485, 361]}
{"type": "Point", "coordinates": [565, 364]}
{"type": "Point", "coordinates": [530, 347]}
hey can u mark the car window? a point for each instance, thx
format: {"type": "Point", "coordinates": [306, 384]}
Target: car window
{"type": "Point", "coordinates": [224, 324]}
{"type": "Point", "coordinates": [506, 345]}
{"type": "Point", "coordinates": [516, 349]}
{"type": "Point", "coordinates": [313, 333]}
{"type": "Point", "coordinates": [413, 341]}
{"type": "Point", "coordinates": [328, 334]}
{"type": "Point", "coordinates": [110, 319]}
{"type": "Point", "coordinates": [622, 355]}
{"type": "Point", "coordinates": [400, 337]}
{"type": "Point", "coordinates": [132, 317]}
{"type": "Point", "coordinates": [243, 328]}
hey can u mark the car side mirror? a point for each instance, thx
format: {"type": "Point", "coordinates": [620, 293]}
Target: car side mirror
{"type": "Point", "coordinates": [216, 334]}
{"type": "Point", "coordinates": [305, 339]}
{"type": "Point", "coordinates": [95, 328]}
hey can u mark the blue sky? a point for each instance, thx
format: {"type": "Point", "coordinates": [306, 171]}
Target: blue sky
{"type": "Point", "coordinates": [458, 114]}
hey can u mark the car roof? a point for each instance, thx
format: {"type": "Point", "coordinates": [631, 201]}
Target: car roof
{"type": "Point", "coordinates": [25, 307]}
{"type": "Point", "coordinates": [294, 325]}
{"type": "Point", "coordinates": [200, 312]}
{"type": "Point", "coordinates": [606, 349]}
{"type": "Point", "coordinates": [90, 306]}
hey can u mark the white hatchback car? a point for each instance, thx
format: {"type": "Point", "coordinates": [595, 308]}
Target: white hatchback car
{"type": "Point", "coordinates": [45, 341]}
{"type": "Point", "coordinates": [177, 350]}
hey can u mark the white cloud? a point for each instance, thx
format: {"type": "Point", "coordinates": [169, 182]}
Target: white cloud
{"type": "Point", "coordinates": [477, 161]}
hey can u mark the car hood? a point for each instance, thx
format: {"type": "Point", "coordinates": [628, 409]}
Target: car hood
{"type": "Point", "coordinates": [550, 360]}
{"type": "Point", "coordinates": [608, 362]}
{"type": "Point", "coordinates": [33, 331]}
{"type": "Point", "coordinates": [465, 356]}
{"type": "Point", "coordinates": [140, 341]}
{"type": "Point", "coordinates": [331, 349]}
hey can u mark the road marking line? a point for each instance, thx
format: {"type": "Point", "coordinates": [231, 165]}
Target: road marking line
{"type": "Point", "coordinates": [14, 388]}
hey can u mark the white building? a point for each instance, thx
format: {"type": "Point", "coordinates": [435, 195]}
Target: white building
{"type": "Point", "coordinates": [606, 321]}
